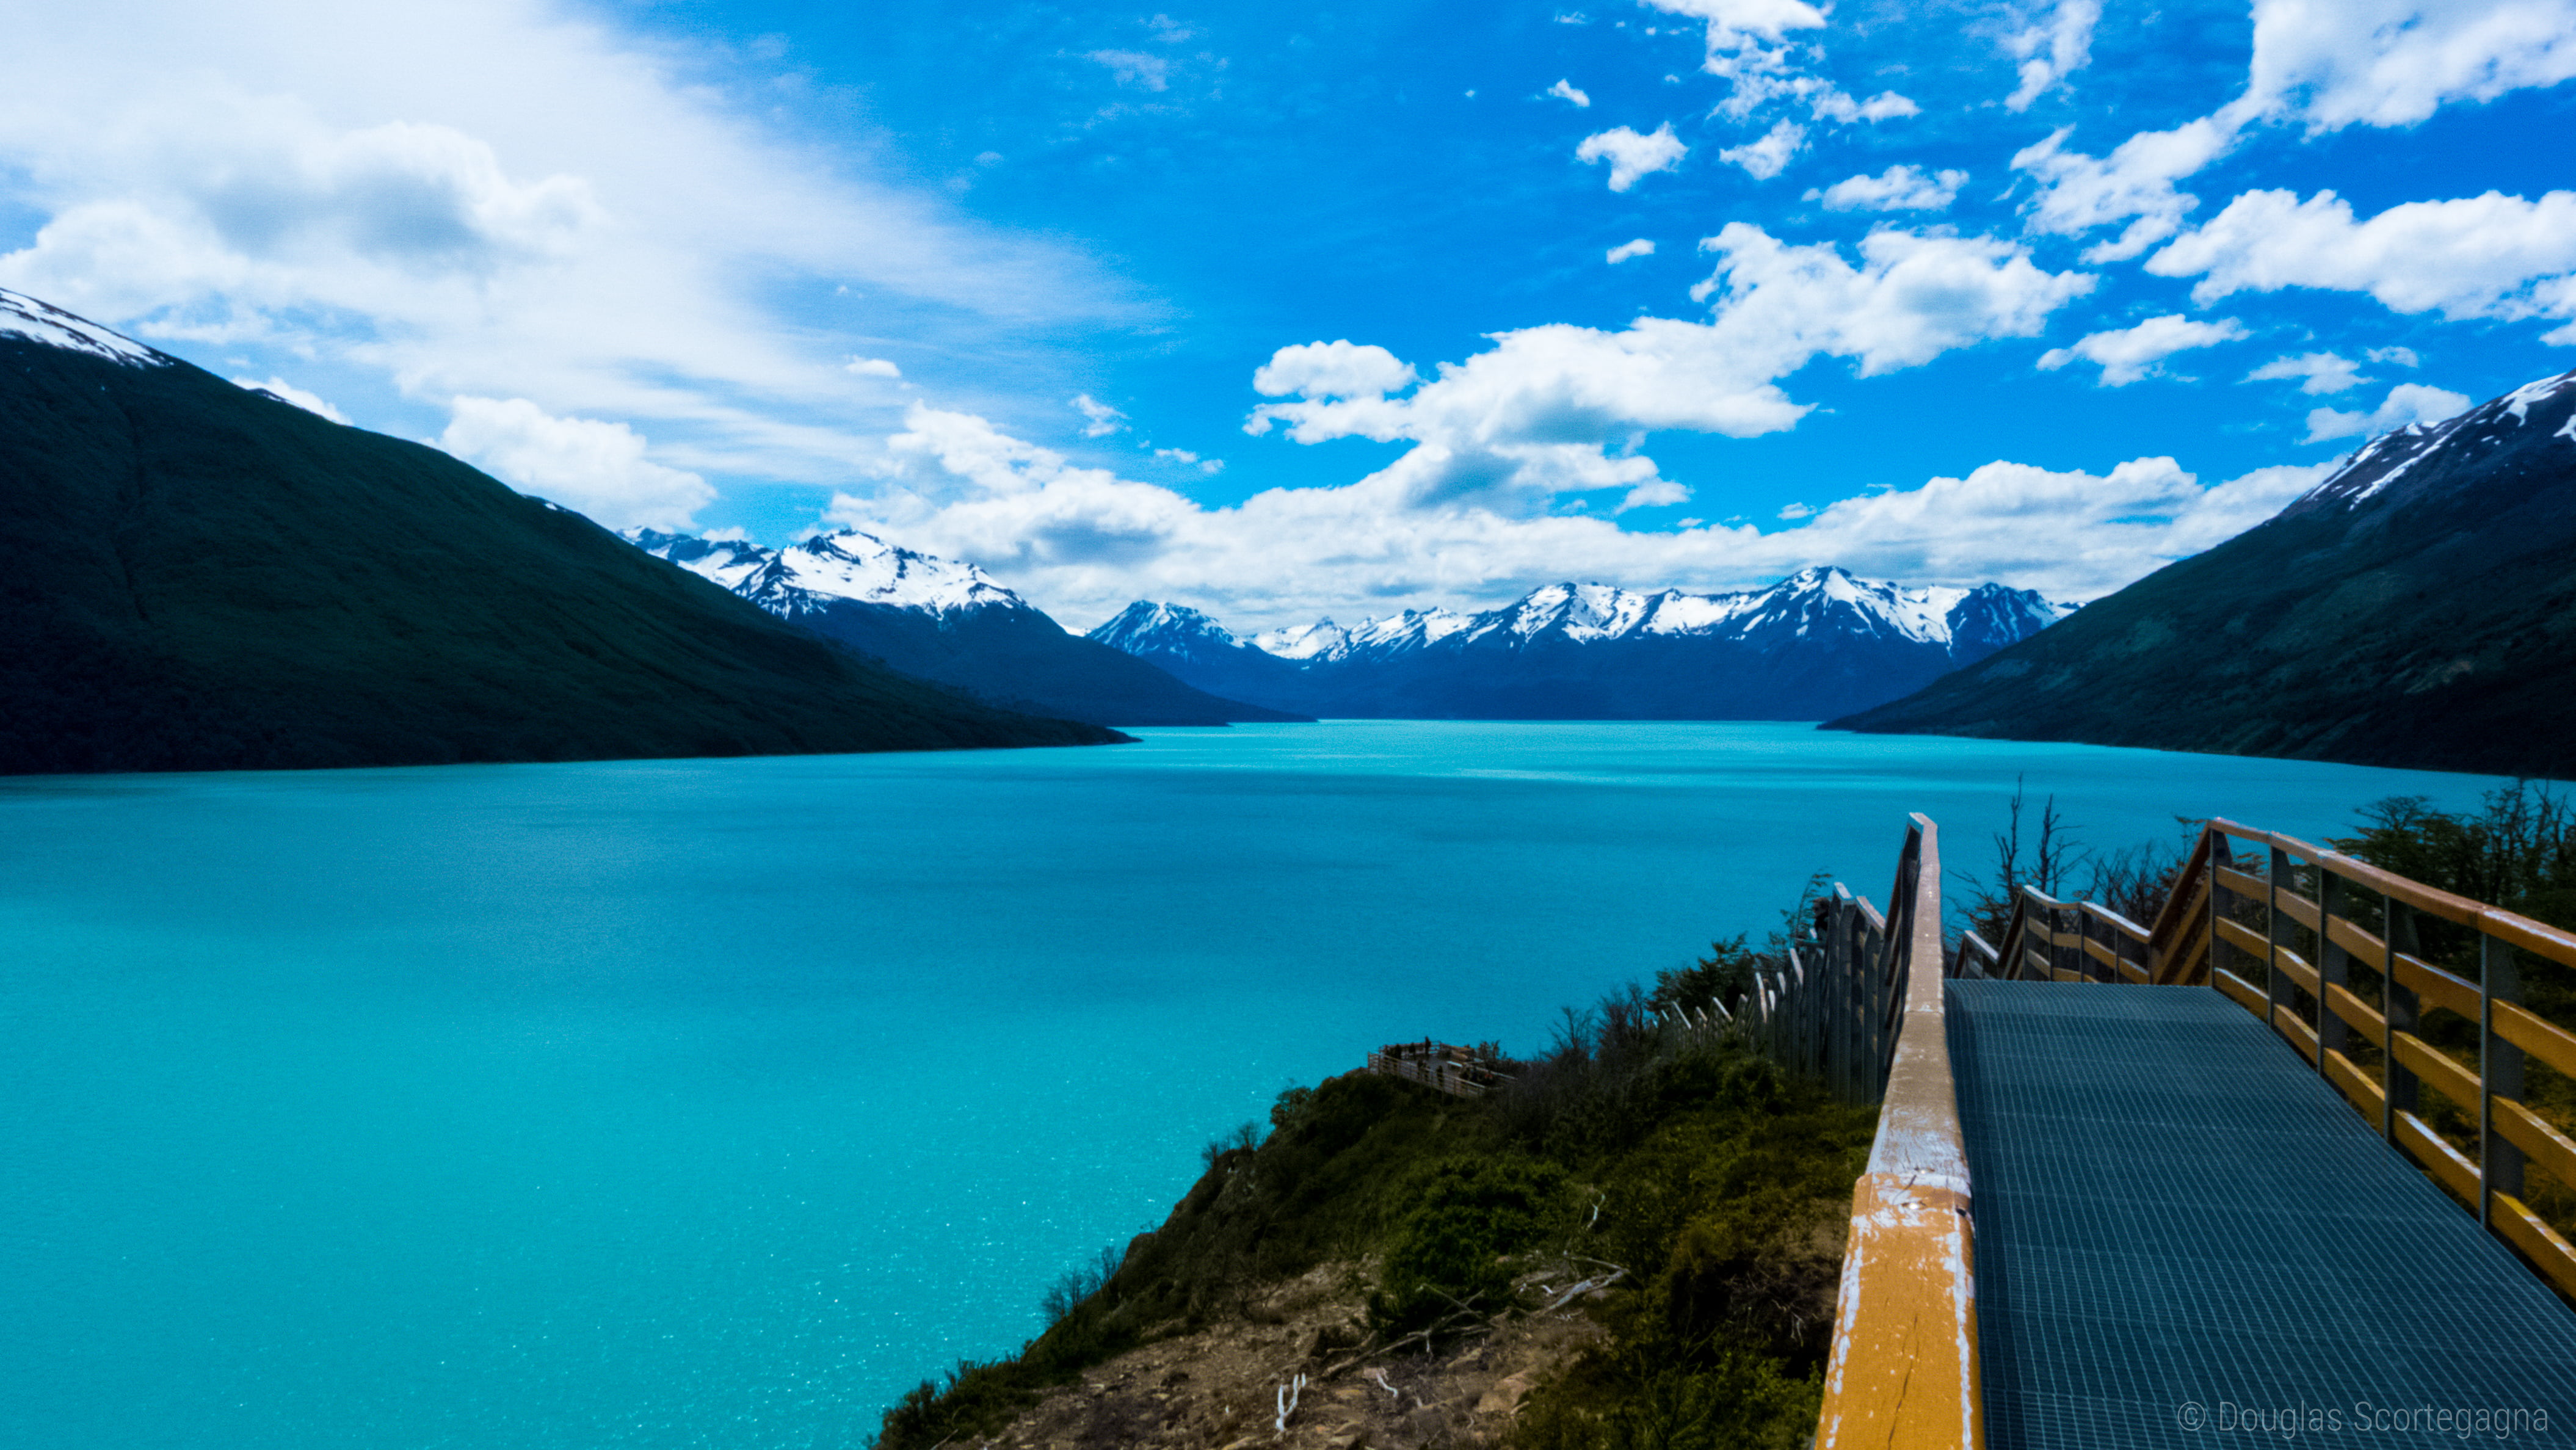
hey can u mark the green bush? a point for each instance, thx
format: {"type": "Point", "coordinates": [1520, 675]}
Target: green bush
{"type": "Point", "coordinates": [1446, 1265]}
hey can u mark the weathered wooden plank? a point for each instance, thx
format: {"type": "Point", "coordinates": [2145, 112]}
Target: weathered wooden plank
{"type": "Point", "coordinates": [2298, 908]}
{"type": "Point", "coordinates": [2537, 938]}
{"type": "Point", "coordinates": [2356, 1085]}
{"type": "Point", "coordinates": [2517, 1225]}
{"type": "Point", "coordinates": [2101, 952]}
{"type": "Point", "coordinates": [2301, 1035]}
{"type": "Point", "coordinates": [2447, 1164]}
{"type": "Point", "coordinates": [2244, 938]}
{"type": "Point", "coordinates": [2243, 883]}
{"type": "Point", "coordinates": [2358, 1013]}
{"type": "Point", "coordinates": [2547, 1148]}
{"type": "Point", "coordinates": [2538, 1036]}
{"type": "Point", "coordinates": [2136, 974]}
{"type": "Point", "coordinates": [2295, 969]}
{"type": "Point", "coordinates": [2247, 995]}
{"type": "Point", "coordinates": [2438, 988]}
{"type": "Point", "coordinates": [2448, 1078]}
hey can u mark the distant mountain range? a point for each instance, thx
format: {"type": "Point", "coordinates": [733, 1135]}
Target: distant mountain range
{"type": "Point", "coordinates": [2417, 608]}
{"type": "Point", "coordinates": [947, 621]}
{"type": "Point", "coordinates": [1817, 644]}
{"type": "Point", "coordinates": [196, 576]}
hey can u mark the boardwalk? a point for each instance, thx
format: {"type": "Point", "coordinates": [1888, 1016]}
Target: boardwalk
{"type": "Point", "coordinates": [2179, 1225]}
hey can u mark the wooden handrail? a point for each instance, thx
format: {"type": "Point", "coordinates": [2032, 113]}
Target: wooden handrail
{"type": "Point", "coordinates": [1903, 1370]}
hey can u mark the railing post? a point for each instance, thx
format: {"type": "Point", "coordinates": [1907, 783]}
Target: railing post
{"type": "Point", "coordinates": [2276, 935]}
{"type": "Point", "coordinates": [2334, 967]}
{"type": "Point", "coordinates": [2222, 952]}
{"type": "Point", "coordinates": [2499, 1072]}
{"type": "Point", "coordinates": [2399, 1005]}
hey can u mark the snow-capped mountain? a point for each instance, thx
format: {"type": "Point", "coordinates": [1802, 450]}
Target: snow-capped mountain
{"type": "Point", "coordinates": [31, 320]}
{"type": "Point", "coordinates": [2414, 609]}
{"type": "Point", "coordinates": [1799, 649]}
{"type": "Point", "coordinates": [849, 565]}
{"type": "Point", "coordinates": [944, 620]}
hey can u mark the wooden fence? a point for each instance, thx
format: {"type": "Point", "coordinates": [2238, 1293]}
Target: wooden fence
{"type": "Point", "coordinates": [1458, 1071]}
{"type": "Point", "coordinates": [2326, 949]}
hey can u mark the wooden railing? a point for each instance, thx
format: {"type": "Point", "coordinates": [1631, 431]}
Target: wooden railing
{"type": "Point", "coordinates": [2327, 950]}
{"type": "Point", "coordinates": [1459, 1071]}
{"type": "Point", "coordinates": [1867, 1009]}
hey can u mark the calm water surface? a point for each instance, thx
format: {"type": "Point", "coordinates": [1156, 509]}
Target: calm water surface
{"type": "Point", "coordinates": [717, 1102]}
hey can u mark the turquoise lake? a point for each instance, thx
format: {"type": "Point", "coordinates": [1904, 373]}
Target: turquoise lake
{"type": "Point", "coordinates": [715, 1103]}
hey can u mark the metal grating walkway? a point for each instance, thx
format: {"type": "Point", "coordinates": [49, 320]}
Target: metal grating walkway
{"type": "Point", "coordinates": [2177, 1219]}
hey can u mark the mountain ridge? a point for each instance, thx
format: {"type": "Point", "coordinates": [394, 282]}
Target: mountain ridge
{"type": "Point", "coordinates": [194, 576]}
{"type": "Point", "coordinates": [945, 620]}
{"type": "Point", "coordinates": [2417, 608]}
{"type": "Point", "coordinates": [1820, 642]}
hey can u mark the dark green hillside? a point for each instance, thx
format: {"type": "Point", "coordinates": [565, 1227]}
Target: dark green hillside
{"type": "Point", "coordinates": [2418, 609]}
{"type": "Point", "coordinates": [196, 577]}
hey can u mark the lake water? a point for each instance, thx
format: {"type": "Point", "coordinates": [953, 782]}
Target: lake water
{"type": "Point", "coordinates": [717, 1102]}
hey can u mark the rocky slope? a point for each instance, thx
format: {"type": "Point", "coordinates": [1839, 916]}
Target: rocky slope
{"type": "Point", "coordinates": [1818, 643]}
{"type": "Point", "coordinates": [948, 621]}
{"type": "Point", "coordinates": [194, 576]}
{"type": "Point", "coordinates": [2417, 608]}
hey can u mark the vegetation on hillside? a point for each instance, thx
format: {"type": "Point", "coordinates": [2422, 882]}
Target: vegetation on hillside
{"type": "Point", "coordinates": [1704, 1187]}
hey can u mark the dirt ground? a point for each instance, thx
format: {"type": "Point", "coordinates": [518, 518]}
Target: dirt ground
{"type": "Point", "coordinates": [1221, 1388]}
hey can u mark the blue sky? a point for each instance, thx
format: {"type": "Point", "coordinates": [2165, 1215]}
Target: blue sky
{"type": "Point", "coordinates": [1282, 313]}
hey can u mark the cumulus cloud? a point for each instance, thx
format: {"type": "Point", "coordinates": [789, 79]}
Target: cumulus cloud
{"type": "Point", "coordinates": [2406, 403]}
{"type": "Point", "coordinates": [591, 467]}
{"type": "Point", "coordinates": [1631, 155]}
{"type": "Point", "coordinates": [2131, 353]}
{"type": "Point", "coordinates": [872, 367]}
{"type": "Point", "coordinates": [1565, 91]}
{"type": "Point", "coordinates": [1898, 188]}
{"type": "Point", "coordinates": [1749, 45]}
{"type": "Point", "coordinates": [1641, 247]}
{"type": "Point", "coordinates": [2481, 256]}
{"type": "Point", "coordinates": [1099, 419]}
{"type": "Point", "coordinates": [2403, 357]}
{"type": "Point", "coordinates": [1766, 157]}
{"type": "Point", "coordinates": [2320, 64]}
{"type": "Point", "coordinates": [1341, 369]}
{"type": "Point", "coordinates": [2336, 63]}
{"type": "Point", "coordinates": [1082, 542]}
{"type": "Point", "coordinates": [488, 198]}
{"type": "Point", "coordinates": [2050, 45]}
{"type": "Point", "coordinates": [1534, 416]}
{"type": "Point", "coordinates": [1832, 105]}
{"type": "Point", "coordinates": [2317, 372]}
{"type": "Point", "coordinates": [281, 388]}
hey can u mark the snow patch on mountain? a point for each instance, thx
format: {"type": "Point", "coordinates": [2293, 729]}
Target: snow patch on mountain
{"type": "Point", "coordinates": [850, 564]}
{"type": "Point", "coordinates": [2377, 465]}
{"type": "Point", "coordinates": [22, 316]}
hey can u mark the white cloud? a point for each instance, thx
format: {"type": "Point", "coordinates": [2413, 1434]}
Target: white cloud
{"type": "Point", "coordinates": [309, 402]}
{"type": "Point", "coordinates": [2321, 64]}
{"type": "Point", "coordinates": [1082, 542]}
{"type": "Point", "coordinates": [1749, 45]}
{"type": "Point", "coordinates": [594, 468]}
{"type": "Point", "coordinates": [1135, 68]}
{"type": "Point", "coordinates": [1341, 369]}
{"type": "Point", "coordinates": [2134, 184]}
{"type": "Point", "coordinates": [1099, 419]}
{"type": "Point", "coordinates": [1533, 417]}
{"type": "Point", "coordinates": [2317, 372]}
{"type": "Point", "coordinates": [2337, 63]}
{"type": "Point", "coordinates": [2406, 403]}
{"type": "Point", "coordinates": [1832, 105]}
{"type": "Point", "coordinates": [1564, 90]}
{"type": "Point", "coordinates": [1898, 188]}
{"type": "Point", "coordinates": [2481, 256]}
{"type": "Point", "coordinates": [1209, 466]}
{"type": "Point", "coordinates": [872, 367]}
{"type": "Point", "coordinates": [492, 198]}
{"type": "Point", "coordinates": [2050, 46]}
{"type": "Point", "coordinates": [1641, 247]}
{"type": "Point", "coordinates": [1631, 155]}
{"type": "Point", "coordinates": [2403, 357]}
{"type": "Point", "coordinates": [2131, 353]}
{"type": "Point", "coordinates": [1765, 158]}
